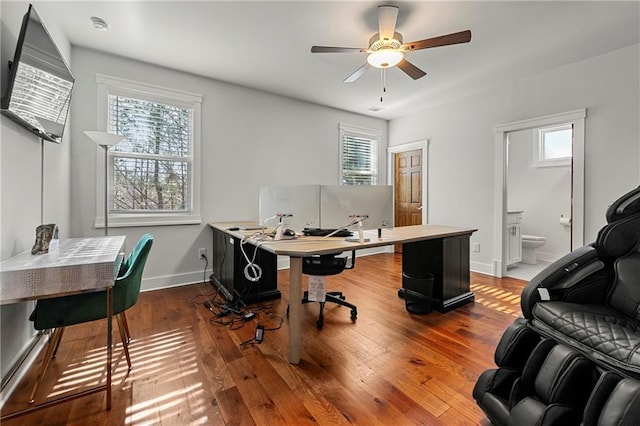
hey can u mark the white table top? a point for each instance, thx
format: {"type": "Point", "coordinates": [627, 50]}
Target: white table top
{"type": "Point", "coordinates": [79, 265]}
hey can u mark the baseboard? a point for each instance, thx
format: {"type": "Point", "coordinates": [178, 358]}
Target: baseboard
{"type": "Point", "coordinates": [176, 280]}
{"type": "Point", "coordinates": [482, 268]}
{"type": "Point", "coordinates": [27, 358]}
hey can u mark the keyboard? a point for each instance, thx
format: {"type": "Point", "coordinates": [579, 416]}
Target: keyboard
{"type": "Point", "coordinates": [317, 232]}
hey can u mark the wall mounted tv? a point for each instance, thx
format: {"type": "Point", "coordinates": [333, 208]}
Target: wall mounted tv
{"type": "Point", "coordinates": [38, 92]}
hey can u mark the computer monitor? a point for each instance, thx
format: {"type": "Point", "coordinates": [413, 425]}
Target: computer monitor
{"type": "Point", "coordinates": [339, 202]}
{"type": "Point", "coordinates": [302, 202]}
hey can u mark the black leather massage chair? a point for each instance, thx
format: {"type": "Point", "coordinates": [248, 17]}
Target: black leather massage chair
{"type": "Point", "coordinates": [574, 356]}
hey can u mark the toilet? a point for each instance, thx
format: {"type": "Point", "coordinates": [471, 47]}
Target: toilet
{"type": "Point", "coordinates": [529, 245]}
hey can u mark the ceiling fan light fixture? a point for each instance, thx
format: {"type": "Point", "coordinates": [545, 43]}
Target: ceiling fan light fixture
{"type": "Point", "coordinates": [385, 58]}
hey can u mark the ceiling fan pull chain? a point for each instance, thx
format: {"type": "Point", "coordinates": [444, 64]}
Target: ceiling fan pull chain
{"type": "Point", "coordinates": [383, 83]}
{"type": "Point", "coordinates": [384, 80]}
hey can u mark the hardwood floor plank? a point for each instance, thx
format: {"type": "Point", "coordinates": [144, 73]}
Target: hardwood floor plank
{"type": "Point", "coordinates": [234, 410]}
{"type": "Point", "coordinates": [389, 367]}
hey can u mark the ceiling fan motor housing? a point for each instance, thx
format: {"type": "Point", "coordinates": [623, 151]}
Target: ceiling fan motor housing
{"type": "Point", "coordinates": [375, 43]}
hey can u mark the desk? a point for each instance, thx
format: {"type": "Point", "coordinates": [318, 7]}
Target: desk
{"type": "Point", "coordinates": [228, 265]}
{"type": "Point", "coordinates": [79, 265]}
{"type": "Point", "coordinates": [415, 236]}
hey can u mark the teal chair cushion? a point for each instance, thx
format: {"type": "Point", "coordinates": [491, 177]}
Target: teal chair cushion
{"type": "Point", "coordinates": [85, 307]}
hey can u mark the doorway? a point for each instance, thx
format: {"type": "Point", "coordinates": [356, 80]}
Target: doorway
{"type": "Point", "coordinates": [538, 198]}
{"type": "Point", "coordinates": [407, 169]}
{"type": "Point", "coordinates": [576, 224]}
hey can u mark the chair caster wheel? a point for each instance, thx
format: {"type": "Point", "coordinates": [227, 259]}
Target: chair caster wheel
{"type": "Point", "coordinates": [319, 324]}
{"type": "Point", "coordinates": [354, 315]}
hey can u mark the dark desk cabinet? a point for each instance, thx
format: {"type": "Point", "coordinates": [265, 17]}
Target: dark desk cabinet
{"type": "Point", "coordinates": [448, 260]}
{"type": "Point", "coordinates": [228, 269]}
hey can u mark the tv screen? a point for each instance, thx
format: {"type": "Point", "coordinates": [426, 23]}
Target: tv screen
{"type": "Point", "coordinates": [39, 89]}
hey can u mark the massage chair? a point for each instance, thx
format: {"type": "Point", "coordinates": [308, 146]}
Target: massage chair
{"type": "Point", "coordinates": [574, 356]}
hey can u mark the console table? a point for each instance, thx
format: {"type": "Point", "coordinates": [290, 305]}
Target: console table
{"type": "Point", "coordinates": [79, 265]}
{"type": "Point", "coordinates": [416, 238]}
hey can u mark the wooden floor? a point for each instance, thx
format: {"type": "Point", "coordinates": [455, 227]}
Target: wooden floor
{"type": "Point", "coordinates": [389, 367]}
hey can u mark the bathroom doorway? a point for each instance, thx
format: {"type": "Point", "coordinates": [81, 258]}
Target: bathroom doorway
{"type": "Point", "coordinates": [561, 220]}
{"type": "Point", "coordinates": [538, 198]}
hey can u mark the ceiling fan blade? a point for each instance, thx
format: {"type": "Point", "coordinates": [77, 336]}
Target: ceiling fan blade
{"type": "Point", "coordinates": [411, 70]}
{"type": "Point", "coordinates": [357, 73]}
{"type": "Point", "coordinates": [445, 40]}
{"type": "Point", "coordinates": [330, 49]}
{"type": "Point", "coordinates": [387, 18]}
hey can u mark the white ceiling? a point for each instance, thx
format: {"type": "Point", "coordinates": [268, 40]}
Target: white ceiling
{"type": "Point", "coordinates": [266, 45]}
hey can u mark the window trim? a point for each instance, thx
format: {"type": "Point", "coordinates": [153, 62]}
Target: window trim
{"type": "Point", "coordinates": [114, 85]}
{"type": "Point", "coordinates": [538, 147]}
{"type": "Point", "coordinates": [346, 130]}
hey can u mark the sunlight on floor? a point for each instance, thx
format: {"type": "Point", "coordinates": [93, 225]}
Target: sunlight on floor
{"type": "Point", "coordinates": [497, 299]}
{"type": "Point", "coordinates": [165, 370]}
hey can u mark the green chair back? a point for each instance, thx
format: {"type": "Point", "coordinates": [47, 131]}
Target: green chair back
{"type": "Point", "coordinates": [85, 307]}
{"type": "Point", "coordinates": [127, 286]}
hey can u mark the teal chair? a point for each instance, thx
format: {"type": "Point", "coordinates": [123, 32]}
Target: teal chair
{"type": "Point", "coordinates": [60, 312]}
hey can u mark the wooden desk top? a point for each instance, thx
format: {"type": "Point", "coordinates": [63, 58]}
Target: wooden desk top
{"type": "Point", "coordinates": [79, 264]}
{"type": "Point", "coordinates": [306, 246]}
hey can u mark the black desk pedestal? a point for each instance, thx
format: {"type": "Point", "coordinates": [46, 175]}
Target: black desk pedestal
{"type": "Point", "coordinates": [229, 264]}
{"type": "Point", "coordinates": [448, 260]}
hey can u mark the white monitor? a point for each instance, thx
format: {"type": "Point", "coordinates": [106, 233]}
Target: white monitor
{"type": "Point", "coordinates": [339, 202]}
{"type": "Point", "coordinates": [302, 202]}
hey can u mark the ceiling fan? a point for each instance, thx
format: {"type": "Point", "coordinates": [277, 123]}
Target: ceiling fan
{"type": "Point", "coordinates": [386, 49]}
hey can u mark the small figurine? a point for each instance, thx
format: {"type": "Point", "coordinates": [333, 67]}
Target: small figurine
{"type": "Point", "coordinates": [44, 235]}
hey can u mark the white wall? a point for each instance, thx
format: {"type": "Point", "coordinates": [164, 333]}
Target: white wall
{"type": "Point", "coordinates": [462, 151]}
{"type": "Point", "coordinates": [20, 185]}
{"type": "Point", "coordinates": [544, 193]}
{"type": "Point", "coordinates": [249, 139]}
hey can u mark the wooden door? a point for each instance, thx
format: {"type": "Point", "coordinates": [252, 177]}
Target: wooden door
{"type": "Point", "coordinates": [408, 189]}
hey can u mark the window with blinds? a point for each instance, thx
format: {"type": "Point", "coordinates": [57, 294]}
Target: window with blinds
{"type": "Point", "coordinates": [152, 166]}
{"type": "Point", "coordinates": [359, 156]}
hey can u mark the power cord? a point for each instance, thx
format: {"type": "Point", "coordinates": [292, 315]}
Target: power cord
{"type": "Point", "coordinates": [252, 271]}
{"type": "Point", "coordinates": [206, 263]}
{"type": "Point", "coordinates": [355, 220]}
{"type": "Point", "coordinates": [261, 329]}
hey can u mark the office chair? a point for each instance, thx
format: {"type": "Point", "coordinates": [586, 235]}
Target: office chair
{"type": "Point", "coordinates": [60, 312]}
{"type": "Point", "coordinates": [325, 265]}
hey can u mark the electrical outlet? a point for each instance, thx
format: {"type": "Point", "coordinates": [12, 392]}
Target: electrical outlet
{"type": "Point", "coordinates": [202, 253]}
{"type": "Point", "coordinates": [476, 247]}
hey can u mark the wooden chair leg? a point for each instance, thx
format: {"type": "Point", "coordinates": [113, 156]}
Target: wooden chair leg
{"type": "Point", "coordinates": [55, 350]}
{"type": "Point", "coordinates": [126, 326]}
{"type": "Point", "coordinates": [54, 342]}
{"type": "Point", "coordinates": [123, 336]}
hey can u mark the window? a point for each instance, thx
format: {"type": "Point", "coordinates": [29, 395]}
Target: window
{"type": "Point", "coordinates": [153, 173]}
{"type": "Point", "coordinates": [358, 156]}
{"type": "Point", "coordinates": [553, 146]}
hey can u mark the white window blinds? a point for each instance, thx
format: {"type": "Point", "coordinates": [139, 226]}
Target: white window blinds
{"type": "Point", "coordinates": [359, 156]}
{"type": "Point", "coordinates": [152, 167]}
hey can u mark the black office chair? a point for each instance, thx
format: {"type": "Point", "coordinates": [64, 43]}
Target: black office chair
{"type": "Point", "coordinates": [325, 265]}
